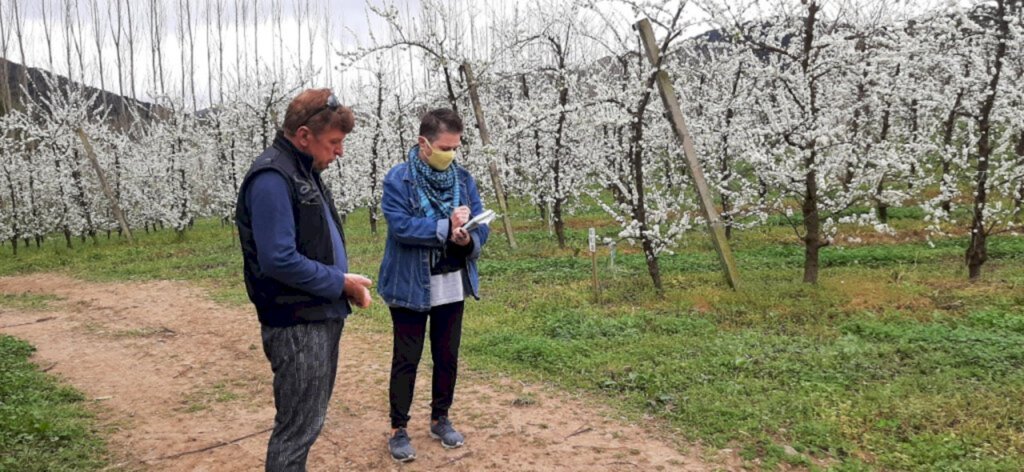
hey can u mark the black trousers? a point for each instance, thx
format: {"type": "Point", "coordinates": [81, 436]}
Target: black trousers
{"type": "Point", "coordinates": [304, 359]}
{"type": "Point", "coordinates": [409, 333]}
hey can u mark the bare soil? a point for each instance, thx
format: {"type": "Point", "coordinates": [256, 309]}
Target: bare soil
{"type": "Point", "coordinates": [180, 382]}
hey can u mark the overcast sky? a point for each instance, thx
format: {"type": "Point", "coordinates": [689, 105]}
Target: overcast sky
{"type": "Point", "coordinates": [347, 23]}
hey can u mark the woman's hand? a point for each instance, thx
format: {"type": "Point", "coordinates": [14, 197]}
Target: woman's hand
{"type": "Point", "coordinates": [461, 237]}
{"type": "Point", "coordinates": [460, 216]}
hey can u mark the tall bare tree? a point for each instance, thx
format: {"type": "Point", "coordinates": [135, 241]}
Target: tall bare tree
{"type": "Point", "coordinates": [5, 85]}
{"type": "Point", "coordinates": [46, 15]}
{"type": "Point", "coordinates": [99, 37]}
{"type": "Point", "coordinates": [117, 35]}
{"type": "Point", "coordinates": [220, 51]}
{"type": "Point", "coordinates": [130, 36]}
{"type": "Point", "coordinates": [156, 20]}
{"type": "Point", "coordinates": [191, 35]}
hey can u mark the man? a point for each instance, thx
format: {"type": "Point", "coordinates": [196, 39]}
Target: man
{"type": "Point", "coordinates": [429, 267]}
{"type": "Point", "coordinates": [295, 268]}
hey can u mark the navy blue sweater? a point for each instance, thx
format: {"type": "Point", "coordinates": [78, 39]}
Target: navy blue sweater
{"type": "Point", "coordinates": [274, 234]}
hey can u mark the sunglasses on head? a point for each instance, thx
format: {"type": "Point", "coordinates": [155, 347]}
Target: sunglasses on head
{"type": "Point", "coordinates": [332, 104]}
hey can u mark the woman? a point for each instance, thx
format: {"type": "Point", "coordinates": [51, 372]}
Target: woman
{"type": "Point", "coordinates": [428, 269]}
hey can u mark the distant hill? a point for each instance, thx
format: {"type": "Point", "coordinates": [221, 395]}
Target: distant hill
{"type": "Point", "coordinates": [37, 82]}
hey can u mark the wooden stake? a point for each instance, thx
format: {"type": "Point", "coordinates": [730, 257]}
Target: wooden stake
{"type": "Point", "coordinates": [707, 203]}
{"type": "Point", "coordinates": [103, 184]}
{"type": "Point", "coordinates": [593, 264]}
{"type": "Point", "coordinates": [485, 137]}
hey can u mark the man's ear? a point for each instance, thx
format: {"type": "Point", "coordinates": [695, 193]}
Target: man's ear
{"type": "Point", "coordinates": [303, 135]}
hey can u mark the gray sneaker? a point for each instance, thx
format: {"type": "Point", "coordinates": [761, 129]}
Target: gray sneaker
{"type": "Point", "coordinates": [444, 431]}
{"type": "Point", "coordinates": [400, 446]}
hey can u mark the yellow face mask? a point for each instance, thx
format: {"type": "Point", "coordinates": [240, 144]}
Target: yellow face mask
{"type": "Point", "coordinates": [438, 159]}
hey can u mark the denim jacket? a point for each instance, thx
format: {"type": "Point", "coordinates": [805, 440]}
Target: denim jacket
{"type": "Point", "coordinates": [404, 278]}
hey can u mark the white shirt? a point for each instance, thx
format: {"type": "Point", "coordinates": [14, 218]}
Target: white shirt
{"type": "Point", "coordinates": [447, 288]}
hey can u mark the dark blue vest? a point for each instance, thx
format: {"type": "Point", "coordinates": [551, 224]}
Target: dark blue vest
{"type": "Point", "coordinates": [276, 303]}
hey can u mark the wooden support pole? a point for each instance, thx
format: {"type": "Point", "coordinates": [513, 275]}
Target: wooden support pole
{"type": "Point", "coordinates": [707, 203]}
{"type": "Point", "coordinates": [485, 137]}
{"type": "Point", "coordinates": [592, 240]}
{"type": "Point", "coordinates": [91, 155]}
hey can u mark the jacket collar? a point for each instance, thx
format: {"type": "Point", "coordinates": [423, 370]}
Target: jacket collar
{"type": "Point", "coordinates": [282, 143]}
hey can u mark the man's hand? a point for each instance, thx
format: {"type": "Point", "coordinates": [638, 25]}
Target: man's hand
{"type": "Point", "coordinates": [357, 289]}
{"type": "Point", "coordinates": [461, 237]}
{"type": "Point", "coordinates": [460, 216]}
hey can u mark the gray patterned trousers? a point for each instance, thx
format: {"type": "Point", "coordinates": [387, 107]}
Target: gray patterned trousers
{"type": "Point", "coordinates": [304, 359]}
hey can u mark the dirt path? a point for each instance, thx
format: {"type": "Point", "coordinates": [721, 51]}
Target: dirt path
{"type": "Point", "coordinates": [171, 371]}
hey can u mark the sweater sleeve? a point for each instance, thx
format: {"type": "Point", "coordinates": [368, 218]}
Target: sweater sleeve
{"type": "Point", "coordinates": [273, 230]}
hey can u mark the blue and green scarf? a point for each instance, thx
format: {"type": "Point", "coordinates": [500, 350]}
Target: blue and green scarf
{"type": "Point", "coordinates": [438, 191]}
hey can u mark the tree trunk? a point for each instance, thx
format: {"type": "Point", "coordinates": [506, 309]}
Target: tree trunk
{"type": "Point", "coordinates": [373, 219]}
{"type": "Point", "coordinates": [640, 209]}
{"type": "Point", "coordinates": [881, 207]}
{"type": "Point", "coordinates": [524, 87]}
{"type": "Point", "coordinates": [76, 176]}
{"type": "Point", "coordinates": [556, 213]}
{"type": "Point", "coordinates": [375, 158]}
{"type": "Point", "coordinates": [914, 127]}
{"type": "Point", "coordinates": [63, 201]}
{"type": "Point", "coordinates": [947, 139]}
{"type": "Point", "coordinates": [812, 221]}
{"type": "Point", "coordinates": [1018, 201]}
{"type": "Point", "coordinates": [451, 89]}
{"type": "Point", "coordinates": [14, 209]}
{"type": "Point", "coordinates": [724, 165]}
{"type": "Point", "coordinates": [811, 262]}
{"type": "Point", "coordinates": [563, 101]}
{"type": "Point", "coordinates": [653, 267]}
{"type": "Point", "coordinates": [977, 252]}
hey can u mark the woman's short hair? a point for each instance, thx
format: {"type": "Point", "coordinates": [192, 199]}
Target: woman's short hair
{"type": "Point", "coordinates": [310, 109]}
{"type": "Point", "coordinates": [441, 120]}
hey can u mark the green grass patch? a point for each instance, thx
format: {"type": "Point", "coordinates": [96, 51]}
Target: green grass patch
{"type": "Point", "coordinates": [892, 362]}
{"type": "Point", "coordinates": [43, 425]}
{"type": "Point", "coordinates": [203, 398]}
{"type": "Point", "coordinates": [27, 301]}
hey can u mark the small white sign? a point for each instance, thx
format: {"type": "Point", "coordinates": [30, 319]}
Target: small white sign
{"type": "Point", "coordinates": [593, 240]}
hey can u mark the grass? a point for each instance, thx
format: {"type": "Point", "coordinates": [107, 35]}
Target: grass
{"type": "Point", "coordinates": [26, 301]}
{"type": "Point", "coordinates": [43, 425]}
{"type": "Point", "coordinates": [892, 362]}
{"type": "Point", "coordinates": [201, 399]}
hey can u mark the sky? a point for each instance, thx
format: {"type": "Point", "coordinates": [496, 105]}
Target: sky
{"type": "Point", "coordinates": [336, 25]}
{"type": "Point", "coordinates": [349, 23]}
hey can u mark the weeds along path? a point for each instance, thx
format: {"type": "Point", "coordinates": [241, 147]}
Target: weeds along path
{"type": "Point", "coordinates": [181, 383]}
